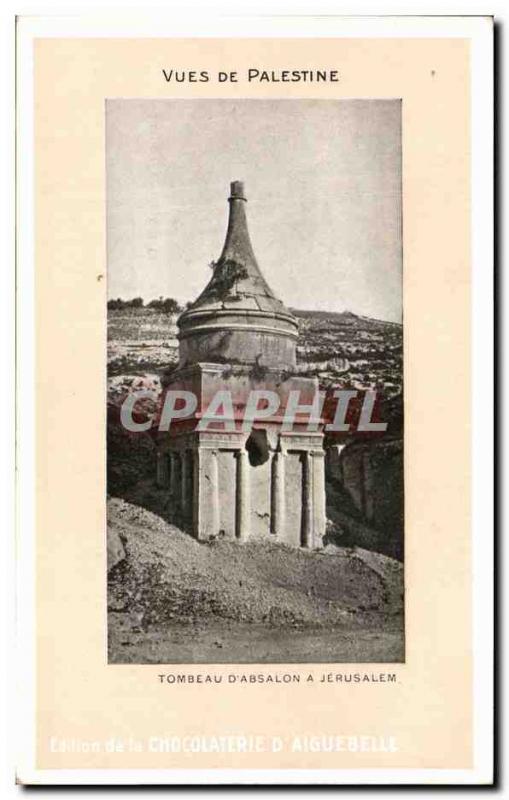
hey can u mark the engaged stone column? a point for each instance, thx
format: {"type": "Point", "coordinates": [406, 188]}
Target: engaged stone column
{"type": "Point", "coordinates": [278, 494]}
{"type": "Point", "coordinates": [162, 471]}
{"type": "Point", "coordinates": [171, 465]}
{"type": "Point", "coordinates": [206, 517]}
{"type": "Point", "coordinates": [197, 491]}
{"type": "Point", "coordinates": [243, 505]}
{"type": "Point", "coordinates": [175, 478]}
{"type": "Point", "coordinates": [307, 500]}
{"type": "Point", "coordinates": [184, 485]}
{"type": "Point", "coordinates": [185, 493]}
{"type": "Point", "coordinates": [319, 512]}
{"type": "Point", "coordinates": [214, 491]}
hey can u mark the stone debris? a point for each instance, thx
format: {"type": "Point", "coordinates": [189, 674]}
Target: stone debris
{"type": "Point", "coordinates": [168, 577]}
{"type": "Point", "coordinates": [116, 552]}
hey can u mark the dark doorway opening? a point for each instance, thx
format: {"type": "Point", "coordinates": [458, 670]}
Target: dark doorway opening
{"type": "Point", "coordinates": [257, 447]}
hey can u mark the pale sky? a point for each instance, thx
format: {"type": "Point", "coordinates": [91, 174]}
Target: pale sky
{"type": "Point", "coordinates": [323, 183]}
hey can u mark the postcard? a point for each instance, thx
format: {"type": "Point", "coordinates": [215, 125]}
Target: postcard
{"type": "Point", "coordinates": [254, 299]}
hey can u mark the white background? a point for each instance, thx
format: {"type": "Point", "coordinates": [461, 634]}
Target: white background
{"type": "Point", "coordinates": [7, 230]}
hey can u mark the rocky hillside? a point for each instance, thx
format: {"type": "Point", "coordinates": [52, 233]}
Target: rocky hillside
{"type": "Point", "coordinates": [342, 349]}
{"type": "Point", "coordinates": [346, 350]}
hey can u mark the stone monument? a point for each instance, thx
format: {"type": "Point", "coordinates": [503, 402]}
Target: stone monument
{"type": "Point", "coordinates": [228, 478]}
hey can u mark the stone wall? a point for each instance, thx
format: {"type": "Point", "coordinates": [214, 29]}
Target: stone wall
{"type": "Point", "coordinates": [371, 476]}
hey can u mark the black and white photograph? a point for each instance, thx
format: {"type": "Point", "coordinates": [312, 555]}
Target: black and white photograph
{"type": "Point", "coordinates": [255, 381]}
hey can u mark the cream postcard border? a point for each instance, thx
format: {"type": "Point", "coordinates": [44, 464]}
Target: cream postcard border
{"type": "Point", "coordinates": [175, 24]}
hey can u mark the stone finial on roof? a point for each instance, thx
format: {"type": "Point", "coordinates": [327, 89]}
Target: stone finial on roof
{"type": "Point", "coordinates": [237, 280]}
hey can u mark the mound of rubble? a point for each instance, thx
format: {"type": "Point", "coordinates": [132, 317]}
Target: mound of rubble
{"type": "Point", "coordinates": [161, 575]}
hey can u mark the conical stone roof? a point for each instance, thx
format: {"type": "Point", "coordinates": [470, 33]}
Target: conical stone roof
{"type": "Point", "coordinates": [237, 297]}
